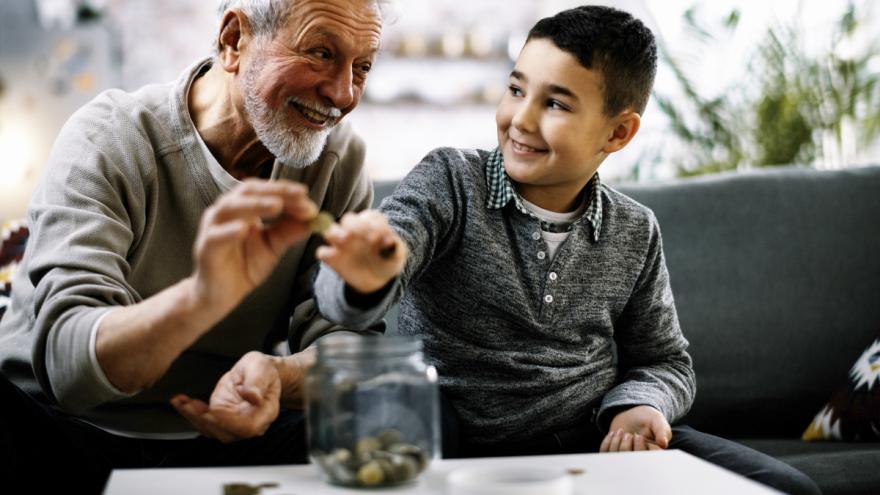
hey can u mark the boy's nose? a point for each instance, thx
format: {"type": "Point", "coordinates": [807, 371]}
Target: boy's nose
{"type": "Point", "coordinates": [524, 119]}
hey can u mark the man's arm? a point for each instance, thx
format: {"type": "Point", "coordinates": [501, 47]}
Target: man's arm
{"type": "Point", "coordinates": [233, 254]}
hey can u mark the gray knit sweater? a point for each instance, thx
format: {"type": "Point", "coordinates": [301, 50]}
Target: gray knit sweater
{"type": "Point", "coordinates": [113, 222]}
{"type": "Point", "coordinates": [524, 344]}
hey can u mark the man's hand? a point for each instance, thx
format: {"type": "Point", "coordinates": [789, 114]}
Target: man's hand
{"type": "Point", "coordinates": [637, 428]}
{"type": "Point", "coordinates": [243, 235]}
{"type": "Point", "coordinates": [364, 250]}
{"type": "Point", "coordinates": [244, 404]}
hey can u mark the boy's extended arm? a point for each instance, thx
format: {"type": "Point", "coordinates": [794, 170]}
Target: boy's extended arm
{"type": "Point", "coordinates": [655, 368]}
{"type": "Point", "coordinates": [418, 219]}
{"type": "Point", "coordinates": [357, 280]}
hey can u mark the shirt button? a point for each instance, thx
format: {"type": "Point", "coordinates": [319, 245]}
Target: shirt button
{"type": "Point", "coordinates": [536, 236]}
{"type": "Point", "coordinates": [541, 255]}
{"type": "Point", "coordinates": [548, 299]}
{"type": "Point", "coordinates": [553, 276]}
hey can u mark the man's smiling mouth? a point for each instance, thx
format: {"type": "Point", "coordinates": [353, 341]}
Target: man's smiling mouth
{"type": "Point", "coordinates": [312, 115]}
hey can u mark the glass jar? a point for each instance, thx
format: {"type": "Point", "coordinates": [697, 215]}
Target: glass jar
{"type": "Point", "coordinates": [372, 410]}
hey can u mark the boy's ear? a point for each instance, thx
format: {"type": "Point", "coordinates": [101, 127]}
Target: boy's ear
{"type": "Point", "coordinates": [234, 35]}
{"type": "Point", "coordinates": [625, 127]}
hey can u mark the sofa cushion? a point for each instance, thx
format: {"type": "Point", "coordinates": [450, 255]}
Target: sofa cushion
{"type": "Point", "coordinates": [853, 413]}
{"type": "Point", "coordinates": [850, 472]}
{"type": "Point", "coordinates": [775, 275]}
{"type": "Point", "coordinates": [839, 468]}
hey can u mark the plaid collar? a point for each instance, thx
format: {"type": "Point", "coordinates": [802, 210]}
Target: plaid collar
{"type": "Point", "coordinates": [501, 192]}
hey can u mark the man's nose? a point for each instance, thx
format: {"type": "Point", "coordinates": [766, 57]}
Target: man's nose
{"type": "Point", "coordinates": [339, 88]}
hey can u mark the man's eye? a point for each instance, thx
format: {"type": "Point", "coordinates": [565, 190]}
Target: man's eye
{"type": "Point", "coordinates": [515, 91]}
{"type": "Point", "coordinates": [323, 53]}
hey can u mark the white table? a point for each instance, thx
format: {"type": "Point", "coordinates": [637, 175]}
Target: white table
{"type": "Point", "coordinates": [669, 472]}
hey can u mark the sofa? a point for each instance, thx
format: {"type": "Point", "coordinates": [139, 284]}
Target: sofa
{"type": "Point", "coordinates": [776, 278]}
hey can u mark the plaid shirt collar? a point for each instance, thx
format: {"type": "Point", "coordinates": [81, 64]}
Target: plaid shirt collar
{"type": "Point", "coordinates": [501, 192]}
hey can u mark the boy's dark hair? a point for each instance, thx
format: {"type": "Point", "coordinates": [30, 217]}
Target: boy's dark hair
{"type": "Point", "coordinates": [611, 41]}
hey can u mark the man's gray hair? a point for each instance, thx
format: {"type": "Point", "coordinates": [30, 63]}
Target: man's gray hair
{"type": "Point", "coordinates": [265, 16]}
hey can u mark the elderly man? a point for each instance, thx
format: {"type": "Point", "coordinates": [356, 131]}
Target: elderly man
{"type": "Point", "coordinates": [170, 253]}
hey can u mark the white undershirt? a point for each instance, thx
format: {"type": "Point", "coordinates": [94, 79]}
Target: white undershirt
{"type": "Point", "coordinates": [553, 239]}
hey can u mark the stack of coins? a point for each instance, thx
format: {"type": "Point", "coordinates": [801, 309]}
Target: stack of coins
{"type": "Point", "coordinates": [381, 460]}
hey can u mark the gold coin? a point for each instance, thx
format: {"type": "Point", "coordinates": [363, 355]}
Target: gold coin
{"type": "Point", "coordinates": [321, 222]}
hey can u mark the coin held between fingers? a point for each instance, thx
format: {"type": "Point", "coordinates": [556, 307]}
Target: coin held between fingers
{"type": "Point", "coordinates": [323, 221]}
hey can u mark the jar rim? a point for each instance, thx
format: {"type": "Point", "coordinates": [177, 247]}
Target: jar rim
{"type": "Point", "coordinates": [352, 345]}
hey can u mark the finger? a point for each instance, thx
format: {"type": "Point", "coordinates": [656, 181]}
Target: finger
{"type": "Point", "coordinates": [356, 224]}
{"type": "Point", "coordinates": [217, 429]}
{"type": "Point", "coordinates": [626, 443]}
{"type": "Point", "coordinates": [246, 207]}
{"type": "Point", "coordinates": [296, 203]}
{"type": "Point", "coordinates": [186, 410]}
{"type": "Point", "coordinates": [286, 232]}
{"type": "Point", "coordinates": [250, 394]}
{"type": "Point", "coordinates": [237, 426]}
{"type": "Point", "coordinates": [327, 254]}
{"type": "Point", "coordinates": [336, 235]}
{"type": "Point", "coordinates": [639, 443]}
{"type": "Point", "coordinates": [281, 187]}
{"type": "Point", "coordinates": [217, 235]}
{"type": "Point", "coordinates": [654, 446]}
{"type": "Point", "coordinates": [615, 441]}
{"type": "Point", "coordinates": [606, 442]}
{"type": "Point", "coordinates": [662, 432]}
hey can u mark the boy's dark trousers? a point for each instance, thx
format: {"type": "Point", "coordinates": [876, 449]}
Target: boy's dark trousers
{"type": "Point", "coordinates": [43, 450]}
{"type": "Point", "coordinates": [587, 439]}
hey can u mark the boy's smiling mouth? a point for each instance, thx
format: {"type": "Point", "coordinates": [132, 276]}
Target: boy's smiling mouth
{"type": "Point", "coordinates": [524, 148]}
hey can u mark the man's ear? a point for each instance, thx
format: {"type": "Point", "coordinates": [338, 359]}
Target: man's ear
{"type": "Point", "coordinates": [625, 127]}
{"type": "Point", "coordinates": [234, 34]}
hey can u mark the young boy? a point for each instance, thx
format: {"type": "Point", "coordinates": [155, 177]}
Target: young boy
{"type": "Point", "coordinates": [522, 271]}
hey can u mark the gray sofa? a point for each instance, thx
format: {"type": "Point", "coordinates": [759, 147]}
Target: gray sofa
{"type": "Point", "coordinates": [776, 276]}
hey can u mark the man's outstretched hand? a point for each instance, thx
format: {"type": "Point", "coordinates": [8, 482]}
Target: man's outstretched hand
{"type": "Point", "coordinates": [243, 405]}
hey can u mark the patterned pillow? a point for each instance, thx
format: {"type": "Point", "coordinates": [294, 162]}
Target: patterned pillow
{"type": "Point", "coordinates": [13, 237]}
{"type": "Point", "coordinates": [853, 413]}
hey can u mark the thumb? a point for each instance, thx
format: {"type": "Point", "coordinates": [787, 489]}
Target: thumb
{"type": "Point", "coordinates": [662, 433]}
{"type": "Point", "coordinates": [250, 394]}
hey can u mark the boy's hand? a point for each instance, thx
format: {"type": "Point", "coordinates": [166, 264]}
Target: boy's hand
{"type": "Point", "coordinates": [364, 250]}
{"type": "Point", "coordinates": [637, 428]}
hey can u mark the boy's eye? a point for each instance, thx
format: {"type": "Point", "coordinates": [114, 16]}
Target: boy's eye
{"type": "Point", "coordinates": [514, 90]}
{"type": "Point", "coordinates": [556, 105]}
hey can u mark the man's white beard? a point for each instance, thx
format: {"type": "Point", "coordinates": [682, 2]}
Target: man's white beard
{"type": "Point", "coordinates": [291, 146]}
